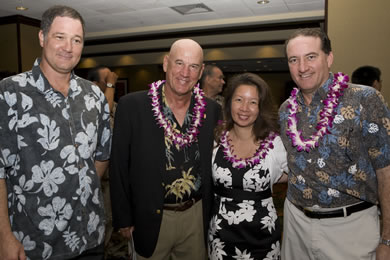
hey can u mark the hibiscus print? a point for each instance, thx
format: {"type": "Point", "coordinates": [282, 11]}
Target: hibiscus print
{"type": "Point", "coordinates": [87, 141]}
{"type": "Point", "coordinates": [50, 133]}
{"type": "Point", "coordinates": [19, 190]}
{"type": "Point", "coordinates": [49, 177]}
{"type": "Point", "coordinates": [92, 222]}
{"type": "Point", "coordinates": [27, 243]}
{"type": "Point", "coordinates": [56, 215]}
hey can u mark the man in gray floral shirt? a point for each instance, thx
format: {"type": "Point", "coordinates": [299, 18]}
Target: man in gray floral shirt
{"type": "Point", "coordinates": [337, 137]}
{"type": "Point", "coordinates": [54, 143]}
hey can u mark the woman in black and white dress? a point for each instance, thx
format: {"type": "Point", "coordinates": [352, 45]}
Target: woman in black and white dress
{"type": "Point", "coordinates": [248, 159]}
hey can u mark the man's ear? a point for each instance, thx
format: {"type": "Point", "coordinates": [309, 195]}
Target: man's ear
{"type": "Point", "coordinates": [329, 59]}
{"type": "Point", "coordinates": [165, 63]}
{"type": "Point", "coordinates": [41, 38]}
{"type": "Point", "coordinates": [201, 71]}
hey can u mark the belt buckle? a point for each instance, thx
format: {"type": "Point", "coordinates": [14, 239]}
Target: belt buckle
{"type": "Point", "coordinates": [307, 210]}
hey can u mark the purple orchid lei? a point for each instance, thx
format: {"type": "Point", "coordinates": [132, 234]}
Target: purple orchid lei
{"type": "Point", "coordinates": [180, 140]}
{"type": "Point", "coordinates": [326, 114]}
{"type": "Point", "coordinates": [260, 154]}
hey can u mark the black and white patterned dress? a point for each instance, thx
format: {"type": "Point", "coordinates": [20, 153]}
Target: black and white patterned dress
{"type": "Point", "coordinates": [244, 222]}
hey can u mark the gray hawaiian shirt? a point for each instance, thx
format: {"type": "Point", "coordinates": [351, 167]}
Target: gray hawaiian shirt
{"type": "Point", "coordinates": [48, 146]}
{"type": "Point", "coordinates": [342, 169]}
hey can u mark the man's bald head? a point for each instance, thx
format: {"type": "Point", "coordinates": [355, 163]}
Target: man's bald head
{"type": "Point", "coordinates": [186, 44]}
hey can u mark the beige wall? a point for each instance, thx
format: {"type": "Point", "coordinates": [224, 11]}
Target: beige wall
{"type": "Point", "coordinates": [9, 48]}
{"type": "Point", "coordinates": [360, 35]}
{"type": "Point", "coordinates": [30, 48]}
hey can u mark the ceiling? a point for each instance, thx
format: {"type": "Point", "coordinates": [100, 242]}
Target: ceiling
{"type": "Point", "coordinates": [108, 19]}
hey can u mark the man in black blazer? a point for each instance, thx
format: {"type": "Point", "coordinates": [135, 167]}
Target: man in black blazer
{"type": "Point", "coordinates": [160, 175]}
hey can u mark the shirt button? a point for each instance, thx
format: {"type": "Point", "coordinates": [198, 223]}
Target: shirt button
{"type": "Point", "coordinates": [158, 211]}
{"type": "Point", "coordinates": [310, 126]}
{"type": "Point", "coordinates": [163, 184]}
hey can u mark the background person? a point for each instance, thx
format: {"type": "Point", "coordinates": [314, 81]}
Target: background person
{"type": "Point", "coordinates": [105, 79]}
{"type": "Point", "coordinates": [55, 144]}
{"type": "Point", "coordinates": [337, 140]}
{"type": "Point", "coordinates": [212, 82]}
{"type": "Point", "coordinates": [247, 161]}
{"type": "Point", "coordinates": [160, 174]}
{"type": "Point", "coordinates": [369, 76]}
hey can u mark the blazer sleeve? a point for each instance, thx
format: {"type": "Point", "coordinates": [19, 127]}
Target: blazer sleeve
{"type": "Point", "coordinates": [119, 165]}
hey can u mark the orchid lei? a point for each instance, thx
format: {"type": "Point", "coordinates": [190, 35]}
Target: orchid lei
{"type": "Point", "coordinates": [326, 114]}
{"type": "Point", "coordinates": [260, 154]}
{"type": "Point", "coordinates": [179, 139]}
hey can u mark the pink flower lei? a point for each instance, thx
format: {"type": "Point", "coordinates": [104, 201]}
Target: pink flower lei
{"type": "Point", "coordinates": [326, 114]}
{"type": "Point", "coordinates": [260, 154]}
{"type": "Point", "coordinates": [179, 139]}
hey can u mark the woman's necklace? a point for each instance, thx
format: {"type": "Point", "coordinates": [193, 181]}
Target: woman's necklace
{"type": "Point", "coordinates": [326, 114]}
{"type": "Point", "coordinates": [260, 153]}
{"type": "Point", "coordinates": [179, 139]}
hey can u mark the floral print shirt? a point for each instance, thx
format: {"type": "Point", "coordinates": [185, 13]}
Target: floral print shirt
{"type": "Point", "coordinates": [48, 147]}
{"type": "Point", "coordinates": [182, 176]}
{"type": "Point", "coordinates": [342, 169]}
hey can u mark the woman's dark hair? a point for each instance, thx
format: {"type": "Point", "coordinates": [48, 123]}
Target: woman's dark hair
{"type": "Point", "coordinates": [267, 119]}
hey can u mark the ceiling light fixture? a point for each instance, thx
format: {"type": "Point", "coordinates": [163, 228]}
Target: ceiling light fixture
{"type": "Point", "coordinates": [20, 7]}
{"type": "Point", "coordinates": [263, 2]}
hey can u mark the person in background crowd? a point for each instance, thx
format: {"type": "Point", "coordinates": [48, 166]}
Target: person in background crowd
{"type": "Point", "coordinates": [248, 160]}
{"type": "Point", "coordinates": [160, 173]}
{"type": "Point", "coordinates": [55, 144]}
{"type": "Point", "coordinates": [105, 79]}
{"type": "Point", "coordinates": [337, 140]}
{"type": "Point", "coordinates": [369, 76]}
{"type": "Point", "coordinates": [212, 82]}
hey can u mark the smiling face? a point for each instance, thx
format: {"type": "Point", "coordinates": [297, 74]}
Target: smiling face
{"type": "Point", "coordinates": [183, 67]}
{"type": "Point", "coordinates": [62, 46]}
{"type": "Point", "coordinates": [309, 64]}
{"type": "Point", "coordinates": [245, 105]}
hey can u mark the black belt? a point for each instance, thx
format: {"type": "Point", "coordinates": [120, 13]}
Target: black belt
{"type": "Point", "coordinates": [337, 213]}
{"type": "Point", "coordinates": [182, 206]}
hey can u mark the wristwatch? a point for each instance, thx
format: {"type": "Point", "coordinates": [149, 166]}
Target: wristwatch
{"type": "Point", "coordinates": [385, 241]}
{"type": "Point", "coordinates": [109, 85]}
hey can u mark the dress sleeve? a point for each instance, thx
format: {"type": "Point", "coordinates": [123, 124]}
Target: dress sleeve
{"type": "Point", "coordinates": [278, 160]}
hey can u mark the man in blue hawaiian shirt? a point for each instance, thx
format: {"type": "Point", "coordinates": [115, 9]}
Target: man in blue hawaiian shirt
{"type": "Point", "coordinates": [337, 140]}
{"type": "Point", "coordinates": [54, 143]}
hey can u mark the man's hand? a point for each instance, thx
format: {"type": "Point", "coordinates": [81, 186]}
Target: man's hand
{"type": "Point", "coordinates": [126, 232]}
{"type": "Point", "coordinates": [111, 77]}
{"type": "Point", "coordinates": [11, 248]}
{"type": "Point", "coordinates": [382, 252]}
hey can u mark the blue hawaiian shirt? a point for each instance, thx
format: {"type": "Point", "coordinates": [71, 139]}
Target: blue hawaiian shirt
{"type": "Point", "coordinates": [342, 169]}
{"type": "Point", "coordinates": [48, 147]}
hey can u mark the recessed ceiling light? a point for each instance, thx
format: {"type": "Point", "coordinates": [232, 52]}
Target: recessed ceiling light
{"type": "Point", "coordinates": [263, 2]}
{"type": "Point", "coordinates": [21, 8]}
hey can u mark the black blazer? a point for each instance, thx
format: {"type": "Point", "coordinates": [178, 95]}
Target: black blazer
{"type": "Point", "coordinates": [137, 163]}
